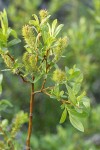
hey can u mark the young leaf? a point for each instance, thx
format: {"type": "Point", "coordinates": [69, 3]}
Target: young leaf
{"type": "Point", "coordinates": [76, 122]}
{"type": "Point", "coordinates": [4, 21]}
{"type": "Point", "coordinates": [63, 116]}
{"type": "Point", "coordinates": [50, 32]}
{"type": "Point", "coordinates": [53, 26]}
{"type": "Point", "coordinates": [11, 32]}
{"type": "Point", "coordinates": [80, 78]}
{"type": "Point", "coordinates": [36, 18]}
{"type": "Point", "coordinates": [71, 94]}
{"type": "Point", "coordinates": [76, 88]}
{"type": "Point", "coordinates": [58, 29]}
{"type": "Point", "coordinates": [86, 102]}
{"type": "Point", "coordinates": [81, 96]}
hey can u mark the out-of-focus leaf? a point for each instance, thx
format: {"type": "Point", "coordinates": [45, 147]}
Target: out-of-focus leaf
{"type": "Point", "coordinates": [4, 104]}
{"type": "Point", "coordinates": [86, 102]}
{"type": "Point", "coordinates": [81, 96]}
{"type": "Point", "coordinates": [58, 29]}
{"type": "Point", "coordinates": [1, 78]}
{"type": "Point", "coordinates": [14, 42]}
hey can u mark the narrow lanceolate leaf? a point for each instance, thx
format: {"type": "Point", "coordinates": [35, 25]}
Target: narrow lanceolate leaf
{"type": "Point", "coordinates": [58, 29]}
{"type": "Point", "coordinates": [4, 21]}
{"type": "Point", "coordinates": [63, 116]}
{"type": "Point", "coordinates": [53, 26]}
{"type": "Point", "coordinates": [36, 18]}
{"type": "Point", "coordinates": [76, 122]}
{"type": "Point", "coordinates": [50, 31]}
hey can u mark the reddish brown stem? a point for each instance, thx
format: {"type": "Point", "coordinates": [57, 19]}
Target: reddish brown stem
{"type": "Point", "coordinates": [30, 117]}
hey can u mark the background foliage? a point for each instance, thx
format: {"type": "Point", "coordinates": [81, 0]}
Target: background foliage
{"type": "Point", "coordinates": [82, 26]}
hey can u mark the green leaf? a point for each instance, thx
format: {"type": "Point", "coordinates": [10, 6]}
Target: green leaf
{"type": "Point", "coordinates": [11, 32]}
{"type": "Point", "coordinates": [4, 104]}
{"type": "Point", "coordinates": [53, 26]}
{"type": "Point", "coordinates": [0, 89]}
{"type": "Point", "coordinates": [76, 122]}
{"type": "Point", "coordinates": [58, 30]}
{"type": "Point", "coordinates": [86, 102]}
{"type": "Point", "coordinates": [50, 31]}
{"type": "Point", "coordinates": [53, 97]}
{"type": "Point", "coordinates": [1, 78]}
{"type": "Point", "coordinates": [71, 94]}
{"type": "Point", "coordinates": [14, 42]}
{"type": "Point", "coordinates": [78, 113]}
{"type": "Point", "coordinates": [63, 106]}
{"type": "Point", "coordinates": [61, 93]}
{"type": "Point", "coordinates": [4, 21]}
{"type": "Point", "coordinates": [80, 78]}
{"type": "Point", "coordinates": [45, 19]}
{"type": "Point", "coordinates": [66, 69]}
{"type": "Point", "coordinates": [63, 116]}
{"type": "Point", "coordinates": [76, 88]}
{"type": "Point", "coordinates": [37, 78]}
{"type": "Point", "coordinates": [81, 96]}
{"type": "Point", "coordinates": [36, 18]}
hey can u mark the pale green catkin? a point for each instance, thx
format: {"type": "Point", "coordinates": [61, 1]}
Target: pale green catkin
{"type": "Point", "coordinates": [29, 36]}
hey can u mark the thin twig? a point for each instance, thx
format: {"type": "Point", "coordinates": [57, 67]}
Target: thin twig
{"type": "Point", "coordinates": [48, 88]}
{"type": "Point", "coordinates": [46, 93]}
{"type": "Point", "coordinates": [11, 57]}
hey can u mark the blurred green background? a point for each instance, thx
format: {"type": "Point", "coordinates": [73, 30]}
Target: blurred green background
{"type": "Point", "coordinates": [81, 19]}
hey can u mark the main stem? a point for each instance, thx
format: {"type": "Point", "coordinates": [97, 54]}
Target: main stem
{"type": "Point", "coordinates": [30, 117]}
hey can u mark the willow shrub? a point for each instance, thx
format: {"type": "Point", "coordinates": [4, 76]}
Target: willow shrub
{"type": "Point", "coordinates": [43, 49]}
